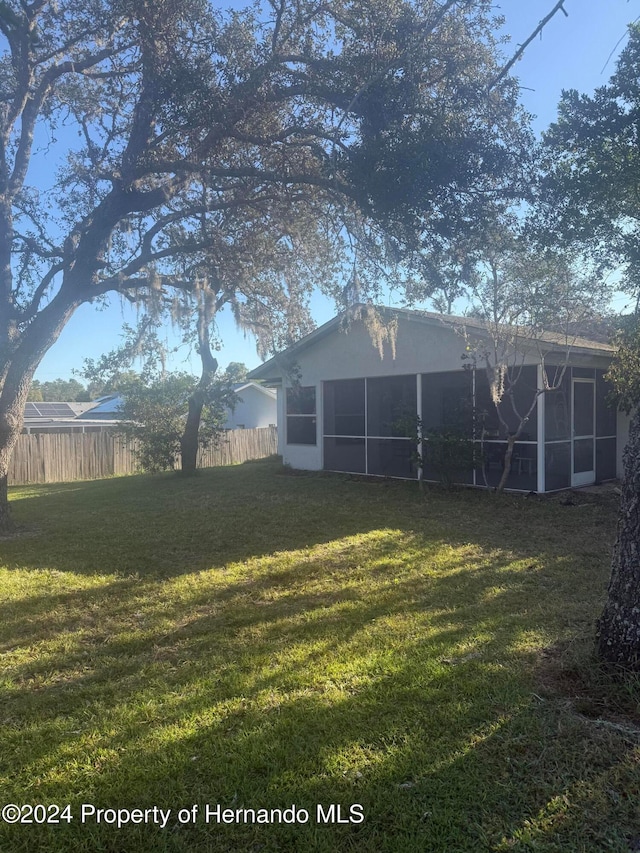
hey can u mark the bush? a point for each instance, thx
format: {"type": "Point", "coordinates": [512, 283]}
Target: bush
{"type": "Point", "coordinates": [449, 453]}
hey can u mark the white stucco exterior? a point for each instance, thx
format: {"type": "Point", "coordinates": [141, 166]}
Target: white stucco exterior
{"type": "Point", "coordinates": [351, 353]}
{"type": "Point", "coordinates": [256, 408]}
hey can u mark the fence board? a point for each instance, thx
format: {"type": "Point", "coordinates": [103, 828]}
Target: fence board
{"type": "Point", "coordinates": [59, 457]}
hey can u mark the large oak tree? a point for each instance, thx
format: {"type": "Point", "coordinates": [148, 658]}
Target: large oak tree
{"type": "Point", "coordinates": [183, 133]}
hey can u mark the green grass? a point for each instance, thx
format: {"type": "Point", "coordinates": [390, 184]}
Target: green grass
{"type": "Point", "coordinates": [257, 639]}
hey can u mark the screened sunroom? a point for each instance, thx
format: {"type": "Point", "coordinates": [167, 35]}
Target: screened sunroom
{"type": "Point", "coordinates": [568, 440]}
{"type": "Point", "coordinates": [353, 409]}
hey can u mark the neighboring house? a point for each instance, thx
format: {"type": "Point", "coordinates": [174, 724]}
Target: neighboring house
{"type": "Point", "coordinates": [107, 408]}
{"type": "Point", "coordinates": [256, 407]}
{"type": "Point", "coordinates": [345, 407]}
{"type": "Point", "coordinates": [60, 417]}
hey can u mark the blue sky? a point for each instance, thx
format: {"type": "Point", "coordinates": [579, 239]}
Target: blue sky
{"type": "Point", "coordinates": [570, 54]}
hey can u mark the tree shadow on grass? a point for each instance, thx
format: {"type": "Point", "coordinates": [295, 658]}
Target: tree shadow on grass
{"type": "Point", "coordinates": [458, 762]}
{"type": "Point", "coordinates": [164, 526]}
{"type": "Point", "coordinates": [401, 685]}
{"type": "Point", "coordinates": [239, 597]}
{"type": "Point", "coordinates": [368, 646]}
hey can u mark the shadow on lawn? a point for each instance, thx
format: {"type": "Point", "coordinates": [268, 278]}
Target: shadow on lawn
{"type": "Point", "coordinates": [260, 699]}
{"type": "Point", "coordinates": [458, 761]}
{"type": "Point", "coordinates": [403, 684]}
{"type": "Point", "coordinates": [164, 526]}
{"type": "Point", "coordinates": [128, 620]}
{"type": "Point", "coordinates": [219, 603]}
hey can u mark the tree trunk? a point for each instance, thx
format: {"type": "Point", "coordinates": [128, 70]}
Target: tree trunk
{"type": "Point", "coordinates": [11, 418]}
{"type": "Point", "coordinates": [189, 440]}
{"type": "Point", "coordinates": [513, 437]}
{"type": "Point", "coordinates": [508, 456]}
{"type": "Point", "coordinates": [18, 369]}
{"type": "Point", "coordinates": [11, 415]}
{"type": "Point", "coordinates": [618, 633]}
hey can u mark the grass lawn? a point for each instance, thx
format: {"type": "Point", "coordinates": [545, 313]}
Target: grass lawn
{"type": "Point", "coordinates": [256, 639]}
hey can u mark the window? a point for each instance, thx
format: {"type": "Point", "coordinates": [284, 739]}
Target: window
{"type": "Point", "coordinates": [345, 454]}
{"type": "Point", "coordinates": [557, 463]}
{"type": "Point", "coordinates": [606, 411]}
{"type": "Point", "coordinates": [301, 415]}
{"type": "Point", "coordinates": [447, 402]}
{"type": "Point", "coordinates": [606, 461]}
{"type": "Point", "coordinates": [524, 394]}
{"type": "Point", "coordinates": [391, 457]}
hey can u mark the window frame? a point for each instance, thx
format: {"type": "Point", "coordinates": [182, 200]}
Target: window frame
{"type": "Point", "coordinates": [292, 414]}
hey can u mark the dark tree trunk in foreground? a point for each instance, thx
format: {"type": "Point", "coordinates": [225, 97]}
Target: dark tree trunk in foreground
{"type": "Point", "coordinates": [189, 441]}
{"type": "Point", "coordinates": [618, 637]}
{"type": "Point", "coordinates": [11, 419]}
{"type": "Point", "coordinates": [16, 373]}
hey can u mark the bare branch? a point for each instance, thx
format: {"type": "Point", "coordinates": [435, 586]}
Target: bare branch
{"type": "Point", "coordinates": [559, 7]}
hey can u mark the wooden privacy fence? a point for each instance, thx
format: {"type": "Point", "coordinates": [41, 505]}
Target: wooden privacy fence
{"type": "Point", "coordinates": [61, 457]}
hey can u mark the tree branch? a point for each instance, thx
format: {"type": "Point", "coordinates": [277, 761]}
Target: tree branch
{"type": "Point", "coordinates": [33, 107]}
{"type": "Point", "coordinates": [34, 246]}
{"type": "Point", "coordinates": [34, 305]}
{"type": "Point", "coordinates": [559, 7]}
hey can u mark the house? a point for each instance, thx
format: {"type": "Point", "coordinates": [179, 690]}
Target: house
{"type": "Point", "coordinates": [347, 402]}
{"type": "Point", "coordinates": [257, 407]}
{"type": "Point", "coordinates": [62, 417]}
{"type": "Point", "coordinates": [106, 408]}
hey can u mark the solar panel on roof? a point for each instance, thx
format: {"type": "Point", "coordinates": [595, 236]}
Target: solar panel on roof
{"type": "Point", "coordinates": [48, 410]}
{"type": "Point", "coordinates": [57, 410]}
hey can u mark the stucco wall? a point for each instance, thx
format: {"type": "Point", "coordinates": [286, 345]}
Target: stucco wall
{"type": "Point", "coordinates": [254, 410]}
{"type": "Point", "coordinates": [351, 354]}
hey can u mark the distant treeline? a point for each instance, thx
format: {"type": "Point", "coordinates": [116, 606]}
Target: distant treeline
{"type": "Point", "coordinates": [57, 390]}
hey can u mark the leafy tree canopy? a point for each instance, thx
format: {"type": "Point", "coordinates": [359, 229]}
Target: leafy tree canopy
{"type": "Point", "coordinates": [592, 198]}
{"type": "Point", "coordinates": [592, 164]}
{"type": "Point", "coordinates": [590, 192]}
{"type": "Point", "coordinates": [235, 158]}
{"type": "Point", "coordinates": [236, 371]}
{"type": "Point", "coordinates": [68, 390]}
